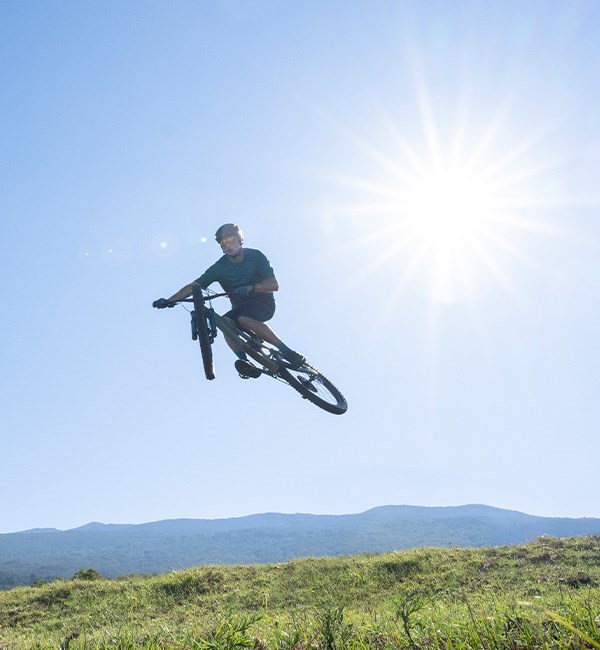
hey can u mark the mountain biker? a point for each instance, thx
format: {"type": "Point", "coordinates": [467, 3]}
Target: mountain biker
{"type": "Point", "coordinates": [246, 274]}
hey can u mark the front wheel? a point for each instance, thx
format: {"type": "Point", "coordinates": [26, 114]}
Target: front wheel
{"type": "Point", "coordinates": [205, 346]}
{"type": "Point", "coordinates": [203, 332]}
{"type": "Point", "coordinates": [314, 386]}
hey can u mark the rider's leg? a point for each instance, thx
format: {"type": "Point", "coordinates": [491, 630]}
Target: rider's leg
{"type": "Point", "coordinates": [260, 329]}
{"type": "Point", "coordinates": [246, 370]}
{"type": "Point", "coordinates": [234, 344]}
{"type": "Point", "coordinates": [268, 335]}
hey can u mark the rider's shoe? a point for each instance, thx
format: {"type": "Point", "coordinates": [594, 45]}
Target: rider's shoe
{"type": "Point", "coordinates": [295, 359]}
{"type": "Point", "coordinates": [247, 370]}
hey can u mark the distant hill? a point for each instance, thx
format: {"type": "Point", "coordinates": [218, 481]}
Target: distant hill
{"type": "Point", "coordinates": [157, 547]}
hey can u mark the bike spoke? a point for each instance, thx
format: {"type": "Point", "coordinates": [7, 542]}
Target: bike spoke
{"type": "Point", "coordinates": [313, 382]}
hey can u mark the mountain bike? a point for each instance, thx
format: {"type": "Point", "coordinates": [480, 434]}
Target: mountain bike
{"type": "Point", "coordinates": [306, 379]}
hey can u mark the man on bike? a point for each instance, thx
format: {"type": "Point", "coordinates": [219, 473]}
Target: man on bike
{"type": "Point", "coordinates": [246, 274]}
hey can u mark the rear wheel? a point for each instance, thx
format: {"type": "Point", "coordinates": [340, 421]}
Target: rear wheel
{"type": "Point", "coordinates": [315, 387]}
{"type": "Point", "coordinates": [203, 330]}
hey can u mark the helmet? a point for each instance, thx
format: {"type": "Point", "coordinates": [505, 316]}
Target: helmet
{"type": "Point", "coordinates": [228, 229]}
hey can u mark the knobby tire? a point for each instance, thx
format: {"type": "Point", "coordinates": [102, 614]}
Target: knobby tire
{"type": "Point", "coordinates": [315, 387]}
{"type": "Point", "coordinates": [204, 337]}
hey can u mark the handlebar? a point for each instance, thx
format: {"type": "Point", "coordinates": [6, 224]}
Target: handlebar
{"type": "Point", "coordinates": [162, 303]}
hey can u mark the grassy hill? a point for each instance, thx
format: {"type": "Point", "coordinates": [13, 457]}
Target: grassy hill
{"type": "Point", "coordinates": [545, 594]}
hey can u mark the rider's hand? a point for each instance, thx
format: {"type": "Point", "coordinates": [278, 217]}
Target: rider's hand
{"type": "Point", "coordinates": [246, 291]}
{"type": "Point", "coordinates": [161, 303]}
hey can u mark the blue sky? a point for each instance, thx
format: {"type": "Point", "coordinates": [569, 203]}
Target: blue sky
{"type": "Point", "coordinates": [421, 175]}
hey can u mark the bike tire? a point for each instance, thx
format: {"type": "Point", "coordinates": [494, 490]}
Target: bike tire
{"type": "Point", "coordinates": [204, 336]}
{"type": "Point", "coordinates": [315, 387]}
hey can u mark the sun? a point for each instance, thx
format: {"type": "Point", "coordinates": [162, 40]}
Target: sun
{"type": "Point", "coordinates": [447, 208]}
{"type": "Point", "coordinates": [454, 217]}
{"type": "Point", "coordinates": [447, 215]}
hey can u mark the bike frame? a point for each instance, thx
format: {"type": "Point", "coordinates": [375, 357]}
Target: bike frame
{"type": "Point", "coordinates": [305, 379]}
{"type": "Point", "coordinates": [251, 344]}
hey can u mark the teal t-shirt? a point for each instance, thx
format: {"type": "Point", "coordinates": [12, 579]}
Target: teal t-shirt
{"type": "Point", "coordinates": [255, 267]}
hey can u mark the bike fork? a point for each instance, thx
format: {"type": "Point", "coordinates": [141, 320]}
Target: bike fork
{"type": "Point", "coordinates": [194, 326]}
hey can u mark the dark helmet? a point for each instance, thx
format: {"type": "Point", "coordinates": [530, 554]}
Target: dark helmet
{"type": "Point", "coordinates": [227, 230]}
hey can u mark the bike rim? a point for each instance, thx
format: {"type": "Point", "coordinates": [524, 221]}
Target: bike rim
{"type": "Point", "coordinates": [316, 384]}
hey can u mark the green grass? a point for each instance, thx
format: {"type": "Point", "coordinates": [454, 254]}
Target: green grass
{"type": "Point", "coordinates": [541, 595]}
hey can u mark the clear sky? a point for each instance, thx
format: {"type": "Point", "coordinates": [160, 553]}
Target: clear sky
{"type": "Point", "coordinates": [423, 177]}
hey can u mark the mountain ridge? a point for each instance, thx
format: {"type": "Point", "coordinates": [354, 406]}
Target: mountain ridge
{"type": "Point", "coordinates": [156, 547]}
{"type": "Point", "coordinates": [272, 517]}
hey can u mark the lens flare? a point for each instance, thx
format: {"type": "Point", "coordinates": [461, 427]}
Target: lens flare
{"type": "Point", "coordinates": [453, 217]}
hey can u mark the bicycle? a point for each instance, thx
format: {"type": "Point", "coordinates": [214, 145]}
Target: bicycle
{"type": "Point", "coordinates": [306, 379]}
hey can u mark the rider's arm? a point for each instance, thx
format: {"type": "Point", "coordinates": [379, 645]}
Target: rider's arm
{"type": "Point", "coordinates": [184, 292]}
{"type": "Point", "coordinates": [267, 286]}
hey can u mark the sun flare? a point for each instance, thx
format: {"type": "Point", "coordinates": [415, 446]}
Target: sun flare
{"type": "Point", "coordinates": [446, 215]}
{"type": "Point", "coordinates": [453, 218]}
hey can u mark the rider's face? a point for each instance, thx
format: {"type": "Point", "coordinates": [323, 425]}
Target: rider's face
{"type": "Point", "coordinates": [230, 246]}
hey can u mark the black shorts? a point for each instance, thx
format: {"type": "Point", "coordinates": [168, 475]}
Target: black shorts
{"type": "Point", "coordinates": [259, 306]}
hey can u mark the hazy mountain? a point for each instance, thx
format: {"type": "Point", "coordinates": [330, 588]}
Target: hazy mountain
{"type": "Point", "coordinates": [160, 546]}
